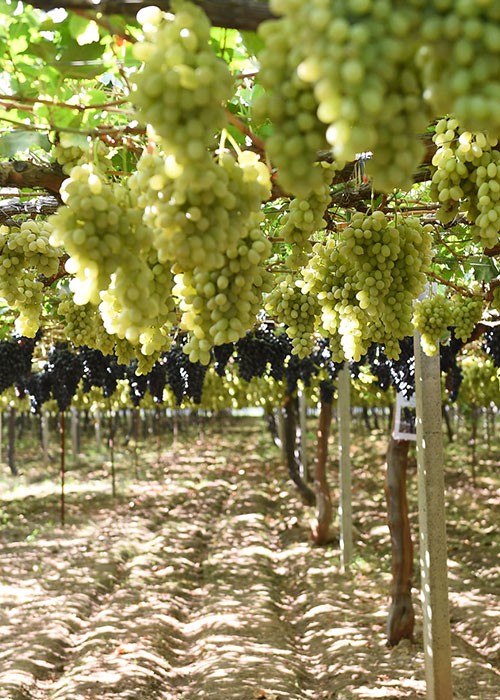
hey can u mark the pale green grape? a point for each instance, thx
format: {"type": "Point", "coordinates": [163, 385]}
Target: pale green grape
{"type": "Point", "coordinates": [138, 305]}
{"type": "Point", "coordinates": [432, 318]}
{"type": "Point", "coordinates": [99, 228]}
{"type": "Point", "coordinates": [357, 60]}
{"type": "Point", "coordinates": [183, 86]}
{"type": "Point", "coordinates": [366, 280]}
{"type": "Point", "coordinates": [297, 310]}
{"type": "Point", "coordinates": [220, 305]}
{"type": "Point", "coordinates": [466, 313]}
{"type": "Point", "coordinates": [26, 257]}
{"type": "Point", "coordinates": [68, 154]}
{"type": "Point", "coordinates": [460, 64]}
{"type": "Point", "coordinates": [197, 211]}
{"type": "Point", "coordinates": [305, 217]}
{"type": "Point", "coordinates": [466, 177]}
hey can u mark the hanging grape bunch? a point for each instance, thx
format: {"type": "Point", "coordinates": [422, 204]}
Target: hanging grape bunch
{"type": "Point", "coordinates": [466, 178]}
{"type": "Point", "coordinates": [366, 280]}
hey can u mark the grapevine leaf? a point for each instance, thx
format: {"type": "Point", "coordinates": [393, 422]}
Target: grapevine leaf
{"type": "Point", "coordinates": [83, 30]}
{"type": "Point", "coordinates": [22, 141]}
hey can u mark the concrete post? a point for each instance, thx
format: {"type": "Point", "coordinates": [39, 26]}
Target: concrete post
{"type": "Point", "coordinates": [345, 504]}
{"type": "Point", "coordinates": [432, 522]}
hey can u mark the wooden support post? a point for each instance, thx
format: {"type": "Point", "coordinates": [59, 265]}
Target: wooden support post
{"type": "Point", "coordinates": [432, 522]}
{"type": "Point", "coordinates": [345, 504]}
{"type": "Point", "coordinates": [303, 436]}
{"type": "Point", "coordinates": [44, 428]}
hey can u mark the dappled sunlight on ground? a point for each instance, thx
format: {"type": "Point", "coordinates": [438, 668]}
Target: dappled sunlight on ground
{"type": "Point", "coordinates": [199, 582]}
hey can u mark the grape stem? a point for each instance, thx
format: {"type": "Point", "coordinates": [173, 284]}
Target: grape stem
{"type": "Point", "coordinates": [461, 290]}
{"type": "Point", "coordinates": [257, 142]}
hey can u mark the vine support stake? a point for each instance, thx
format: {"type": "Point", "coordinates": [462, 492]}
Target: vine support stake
{"type": "Point", "coordinates": [345, 480]}
{"type": "Point", "coordinates": [432, 523]}
{"type": "Point", "coordinates": [62, 469]}
{"type": "Point", "coordinates": [111, 443]}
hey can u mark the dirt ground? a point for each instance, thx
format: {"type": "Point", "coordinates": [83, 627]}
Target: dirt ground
{"type": "Point", "coordinates": [198, 581]}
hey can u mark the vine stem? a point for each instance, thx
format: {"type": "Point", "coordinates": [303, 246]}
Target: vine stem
{"type": "Point", "coordinates": [256, 140]}
{"type": "Point", "coordinates": [461, 290]}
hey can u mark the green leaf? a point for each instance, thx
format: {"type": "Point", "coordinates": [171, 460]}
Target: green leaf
{"type": "Point", "coordinates": [84, 31]}
{"type": "Point", "coordinates": [22, 141]}
{"type": "Point", "coordinates": [81, 61]}
{"type": "Point", "coordinates": [253, 43]}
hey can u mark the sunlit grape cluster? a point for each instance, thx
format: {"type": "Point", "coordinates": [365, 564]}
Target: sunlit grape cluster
{"type": "Point", "coordinates": [68, 153]}
{"type": "Point", "coordinates": [366, 280]}
{"type": "Point", "coordinates": [460, 63]}
{"type": "Point", "coordinates": [466, 312]}
{"type": "Point", "coordinates": [183, 86]}
{"type": "Point", "coordinates": [354, 63]}
{"type": "Point", "coordinates": [218, 306]}
{"type": "Point", "coordinates": [98, 228]}
{"type": "Point", "coordinates": [82, 325]}
{"type": "Point", "coordinates": [297, 310]}
{"type": "Point", "coordinates": [289, 102]}
{"type": "Point", "coordinates": [27, 257]}
{"type": "Point", "coordinates": [432, 318]}
{"type": "Point", "coordinates": [138, 305]}
{"type": "Point", "coordinates": [305, 217]}
{"type": "Point", "coordinates": [466, 178]}
{"type": "Point", "coordinates": [198, 210]}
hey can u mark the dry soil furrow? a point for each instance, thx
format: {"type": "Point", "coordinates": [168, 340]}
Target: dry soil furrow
{"type": "Point", "coordinates": [136, 637]}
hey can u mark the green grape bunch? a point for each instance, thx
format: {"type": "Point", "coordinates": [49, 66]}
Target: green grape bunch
{"type": "Point", "coordinates": [366, 280]}
{"type": "Point", "coordinates": [28, 259]}
{"type": "Point", "coordinates": [68, 150]}
{"type": "Point", "coordinates": [432, 318]}
{"type": "Point", "coordinates": [466, 178]}
{"type": "Point", "coordinates": [340, 76]}
{"type": "Point", "coordinates": [220, 305]}
{"type": "Point", "coordinates": [304, 217]}
{"type": "Point", "coordinates": [183, 86]}
{"type": "Point", "coordinates": [297, 310]}
{"type": "Point", "coordinates": [467, 312]}
{"type": "Point", "coordinates": [98, 227]}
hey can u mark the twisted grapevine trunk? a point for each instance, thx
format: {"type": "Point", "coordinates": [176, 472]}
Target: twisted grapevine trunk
{"type": "Point", "coordinates": [291, 451]}
{"type": "Point", "coordinates": [401, 618]}
{"type": "Point", "coordinates": [321, 530]}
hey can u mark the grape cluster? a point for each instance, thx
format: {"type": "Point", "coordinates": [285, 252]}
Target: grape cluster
{"type": "Point", "coordinates": [98, 228]}
{"type": "Point", "coordinates": [65, 369]}
{"type": "Point", "coordinates": [199, 209]}
{"type": "Point", "coordinates": [459, 61]}
{"type": "Point", "coordinates": [184, 377]}
{"type": "Point", "coordinates": [466, 177]}
{"type": "Point", "coordinates": [95, 367]}
{"type": "Point", "coordinates": [38, 386]}
{"type": "Point", "coordinates": [352, 64]}
{"type": "Point", "coordinates": [157, 380]}
{"type": "Point", "coordinates": [15, 361]}
{"type": "Point", "coordinates": [366, 280]}
{"type": "Point", "coordinates": [219, 306]}
{"type": "Point", "coordinates": [290, 104]}
{"type": "Point", "coordinates": [305, 217]}
{"type": "Point", "coordinates": [182, 88]}
{"type": "Point", "coordinates": [297, 310]}
{"type": "Point", "coordinates": [221, 355]}
{"type": "Point", "coordinates": [466, 313]}
{"type": "Point", "coordinates": [138, 304]}
{"type": "Point", "coordinates": [432, 317]}
{"type": "Point", "coordinates": [399, 373]}
{"type": "Point", "coordinates": [26, 258]}
{"type": "Point", "coordinates": [82, 325]}
{"type": "Point", "coordinates": [68, 150]}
